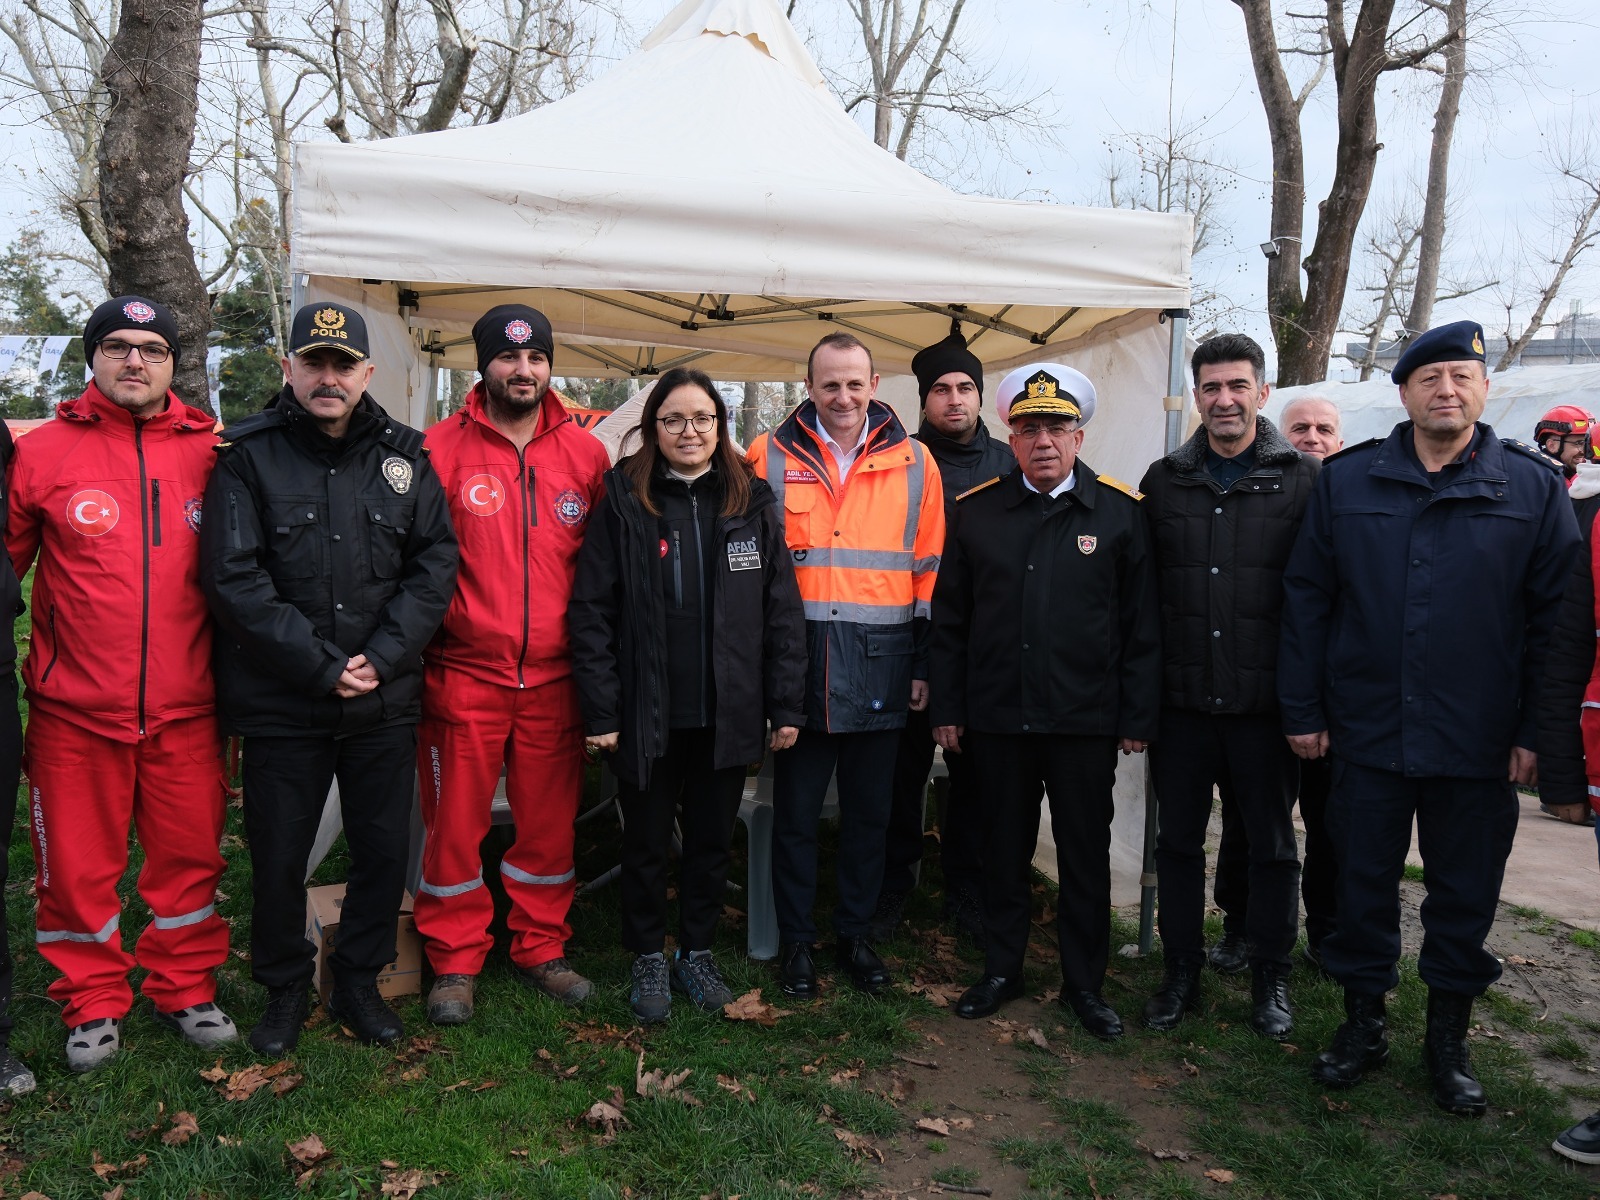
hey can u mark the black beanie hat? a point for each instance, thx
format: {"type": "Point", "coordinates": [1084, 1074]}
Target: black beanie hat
{"type": "Point", "coordinates": [512, 327]}
{"type": "Point", "coordinates": [129, 312]}
{"type": "Point", "coordinates": [940, 359]}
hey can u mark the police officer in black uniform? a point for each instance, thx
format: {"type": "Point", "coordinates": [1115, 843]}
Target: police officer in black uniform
{"type": "Point", "coordinates": [950, 382]}
{"type": "Point", "coordinates": [1418, 603]}
{"type": "Point", "coordinates": [328, 558]}
{"type": "Point", "coordinates": [1045, 658]}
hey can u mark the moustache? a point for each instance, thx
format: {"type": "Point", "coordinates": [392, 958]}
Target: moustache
{"type": "Point", "coordinates": [326, 393]}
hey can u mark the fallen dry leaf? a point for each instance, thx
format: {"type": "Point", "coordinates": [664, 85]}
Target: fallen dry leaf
{"type": "Point", "coordinates": [858, 1145]}
{"type": "Point", "coordinates": [308, 1150]}
{"type": "Point", "coordinates": [934, 1038]}
{"type": "Point", "coordinates": [961, 1123]}
{"type": "Point", "coordinates": [1219, 1174]}
{"type": "Point", "coordinates": [114, 1194]}
{"type": "Point", "coordinates": [1518, 960]}
{"type": "Point", "coordinates": [607, 1118]}
{"type": "Point", "coordinates": [729, 1084]}
{"type": "Point", "coordinates": [105, 1170]}
{"type": "Point", "coordinates": [1341, 1106]}
{"type": "Point", "coordinates": [243, 1084]}
{"type": "Point", "coordinates": [750, 1007]}
{"type": "Point", "coordinates": [215, 1073]}
{"type": "Point", "coordinates": [1037, 1037]}
{"type": "Point", "coordinates": [405, 1184]}
{"type": "Point", "coordinates": [285, 1084]}
{"type": "Point", "coordinates": [935, 1125]}
{"type": "Point", "coordinates": [1151, 1082]}
{"type": "Point", "coordinates": [1174, 1155]}
{"type": "Point", "coordinates": [662, 1085]}
{"type": "Point", "coordinates": [840, 1078]}
{"type": "Point", "coordinates": [184, 1127]}
{"type": "Point", "coordinates": [412, 1074]}
{"type": "Point", "coordinates": [1189, 1068]}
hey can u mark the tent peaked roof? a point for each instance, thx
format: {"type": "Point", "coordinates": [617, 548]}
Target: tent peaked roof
{"type": "Point", "coordinates": [710, 196]}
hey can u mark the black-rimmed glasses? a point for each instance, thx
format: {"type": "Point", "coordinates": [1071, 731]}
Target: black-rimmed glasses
{"type": "Point", "coordinates": [151, 352]}
{"type": "Point", "coordinates": [702, 422]}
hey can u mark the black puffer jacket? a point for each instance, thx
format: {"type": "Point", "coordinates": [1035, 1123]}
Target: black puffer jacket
{"type": "Point", "coordinates": [964, 465]}
{"type": "Point", "coordinates": [1569, 663]}
{"type": "Point", "coordinates": [1220, 557]}
{"type": "Point", "coordinates": [618, 624]}
{"type": "Point", "coordinates": [315, 550]}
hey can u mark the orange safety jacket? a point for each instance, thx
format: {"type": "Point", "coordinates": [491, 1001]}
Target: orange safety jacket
{"type": "Point", "coordinates": [866, 553]}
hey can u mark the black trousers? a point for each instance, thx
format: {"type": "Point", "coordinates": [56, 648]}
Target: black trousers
{"type": "Point", "coordinates": [710, 803]}
{"type": "Point", "coordinates": [1078, 774]}
{"type": "Point", "coordinates": [10, 775]}
{"type": "Point", "coordinates": [960, 829]}
{"type": "Point", "coordinates": [1464, 831]}
{"type": "Point", "coordinates": [1194, 752]}
{"type": "Point", "coordinates": [286, 781]}
{"type": "Point", "coordinates": [865, 766]}
{"type": "Point", "coordinates": [1319, 869]}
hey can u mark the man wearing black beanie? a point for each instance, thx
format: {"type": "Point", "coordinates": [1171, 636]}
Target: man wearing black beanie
{"type": "Point", "coordinates": [950, 383]}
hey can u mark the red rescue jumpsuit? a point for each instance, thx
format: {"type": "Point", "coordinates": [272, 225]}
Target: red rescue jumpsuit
{"type": "Point", "coordinates": [498, 687]}
{"type": "Point", "coordinates": [121, 724]}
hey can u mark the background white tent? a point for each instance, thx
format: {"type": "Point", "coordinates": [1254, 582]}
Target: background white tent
{"type": "Point", "coordinates": [708, 201]}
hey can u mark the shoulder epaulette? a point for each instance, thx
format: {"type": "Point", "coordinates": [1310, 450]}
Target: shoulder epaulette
{"type": "Point", "coordinates": [973, 491]}
{"type": "Point", "coordinates": [255, 423]}
{"type": "Point", "coordinates": [1531, 451]}
{"type": "Point", "coordinates": [1366, 445]}
{"type": "Point", "coordinates": [402, 438]}
{"type": "Point", "coordinates": [1127, 489]}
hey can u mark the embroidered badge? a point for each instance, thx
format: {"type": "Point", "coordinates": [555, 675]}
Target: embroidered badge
{"type": "Point", "coordinates": [191, 513]}
{"type": "Point", "coordinates": [519, 331]}
{"type": "Point", "coordinates": [1087, 542]}
{"type": "Point", "coordinates": [483, 495]}
{"type": "Point", "coordinates": [92, 513]}
{"type": "Point", "coordinates": [138, 310]}
{"type": "Point", "coordinates": [799, 475]}
{"type": "Point", "coordinates": [397, 474]}
{"type": "Point", "coordinates": [744, 556]}
{"type": "Point", "coordinates": [328, 319]}
{"type": "Point", "coordinates": [1477, 344]}
{"type": "Point", "coordinates": [571, 508]}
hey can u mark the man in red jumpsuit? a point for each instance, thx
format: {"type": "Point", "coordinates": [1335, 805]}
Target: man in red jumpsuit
{"type": "Point", "coordinates": [122, 726]}
{"type": "Point", "coordinates": [521, 478]}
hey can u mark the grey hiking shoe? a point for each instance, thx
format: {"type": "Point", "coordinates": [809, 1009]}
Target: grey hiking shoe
{"type": "Point", "coordinates": [651, 997]}
{"type": "Point", "coordinates": [450, 999]}
{"type": "Point", "coordinates": [201, 1024]}
{"type": "Point", "coordinates": [557, 980]}
{"type": "Point", "coordinates": [93, 1042]}
{"type": "Point", "coordinates": [695, 975]}
{"type": "Point", "coordinates": [15, 1079]}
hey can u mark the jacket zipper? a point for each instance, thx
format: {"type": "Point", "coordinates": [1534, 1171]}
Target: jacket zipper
{"type": "Point", "coordinates": [233, 519]}
{"type": "Point", "coordinates": [677, 569]}
{"type": "Point", "coordinates": [55, 648]}
{"type": "Point", "coordinates": [705, 601]}
{"type": "Point", "coordinates": [531, 515]}
{"type": "Point", "coordinates": [144, 598]}
{"type": "Point", "coordinates": [155, 511]}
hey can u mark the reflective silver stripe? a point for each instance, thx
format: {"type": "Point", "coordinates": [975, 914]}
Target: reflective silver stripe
{"type": "Point", "coordinates": [921, 566]}
{"type": "Point", "coordinates": [450, 889]}
{"type": "Point", "coordinates": [522, 876]}
{"type": "Point", "coordinates": [188, 918]}
{"type": "Point", "coordinates": [915, 475]}
{"type": "Point", "coordinates": [1594, 791]}
{"type": "Point", "coordinates": [1591, 704]}
{"type": "Point", "coordinates": [68, 935]}
{"type": "Point", "coordinates": [862, 560]}
{"type": "Point", "coordinates": [777, 464]}
{"type": "Point", "coordinates": [924, 608]}
{"type": "Point", "coordinates": [861, 614]}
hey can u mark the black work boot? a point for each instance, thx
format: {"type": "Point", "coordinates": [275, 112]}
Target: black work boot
{"type": "Point", "coordinates": [1269, 988]}
{"type": "Point", "coordinates": [1455, 1088]}
{"type": "Point", "coordinates": [362, 1010]}
{"type": "Point", "coordinates": [278, 1031]}
{"type": "Point", "coordinates": [1179, 994]}
{"type": "Point", "coordinates": [1360, 1044]}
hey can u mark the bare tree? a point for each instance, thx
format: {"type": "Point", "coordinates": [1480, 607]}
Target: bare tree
{"type": "Point", "coordinates": [151, 74]}
{"type": "Point", "coordinates": [1391, 282]}
{"type": "Point", "coordinates": [1435, 200]}
{"type": "Point", "coordinates": [1360, 53]}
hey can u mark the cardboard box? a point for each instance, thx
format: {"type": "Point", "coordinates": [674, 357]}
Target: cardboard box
{"type": "Point", "coordinates": [402, 977]}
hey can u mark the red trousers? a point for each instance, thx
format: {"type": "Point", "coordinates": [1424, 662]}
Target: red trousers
{"type": "Point", "coordinates": [469, 730]}
{"type": "Point", "coordinates": [83, 792]}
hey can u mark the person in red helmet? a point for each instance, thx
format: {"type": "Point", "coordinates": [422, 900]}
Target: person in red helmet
{"type": "Point", "coordinates": [1564, 434]}
{"type": "Point", "coordinates": [522, 479]}
{"type": "Point", "coordinates": [122, 725]}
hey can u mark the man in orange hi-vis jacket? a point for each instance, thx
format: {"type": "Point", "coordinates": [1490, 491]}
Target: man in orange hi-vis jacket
{"type": "Point", "coordinates": [863, 512]}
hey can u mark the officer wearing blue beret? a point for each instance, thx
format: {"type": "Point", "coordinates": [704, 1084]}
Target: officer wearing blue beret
{"type": "Point", "coordinates": [1417, 608]}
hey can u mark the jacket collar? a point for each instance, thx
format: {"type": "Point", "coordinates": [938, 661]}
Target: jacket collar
{"type": "Point", "coordinates": [947, 448]}
{"type": "Point", "coordinates": [798, 436]}
{"type": "Point", "coordinates": [1485, 462]}
{"type": "Point", "coordinates": [1272, 450]}
{"type": "Point", "coordinates": [1079, 493]}
{"type": "Point", "coordinates": [366, 421]}
{"type": "Point", "coordinates": [95, 407]}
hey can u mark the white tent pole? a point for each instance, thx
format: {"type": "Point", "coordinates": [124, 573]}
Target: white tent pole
{"type": "Point", "coordinates": [1178, 320]}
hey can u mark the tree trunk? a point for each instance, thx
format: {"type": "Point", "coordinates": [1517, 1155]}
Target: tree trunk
{"type": "Point", "coordinates": [152, 72]}
{"type": "Point", "coordinates": [750, 414]}
{"type": "Point", "coordinates": [1358, 65]}
{"type": "Point", "coordinates": [1433, 211]}
{"type": "Point", "coordinates": [1284, 299]}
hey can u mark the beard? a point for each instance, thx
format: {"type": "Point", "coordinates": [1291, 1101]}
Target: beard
{"type": "Point", "coordinates": [500, 394]}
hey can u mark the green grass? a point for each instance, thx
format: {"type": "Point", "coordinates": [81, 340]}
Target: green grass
{"type": "Point", "coordinates": [1413, 872]}
{"type": "Point", "coordinates": [1582, 937]}
{"type": "Point", "coordinates": [1526, 911]}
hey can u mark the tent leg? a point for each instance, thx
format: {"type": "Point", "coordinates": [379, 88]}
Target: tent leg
{"type": "Point", "coordinates": [1178, 320]}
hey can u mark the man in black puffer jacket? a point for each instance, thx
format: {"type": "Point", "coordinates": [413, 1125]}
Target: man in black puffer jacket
{"type": "Point", "coordinates": [1224, 509]}
{"type": "Point", "coordinates": [328, 559]}
{"type": "Point", "coordinates": [950, 382]}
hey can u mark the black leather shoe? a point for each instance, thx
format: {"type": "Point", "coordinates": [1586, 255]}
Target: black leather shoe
{"type": "Point", "coordinates": [1455, 1088]}
{"type": "Point", "coordinates": [1581, 1143]}
{"type": "Point", "coordinates": [361, 1008]}
{"type": "Point", "coordinates": [797, 974]}
{"type": "Point", "coordinates": [1269, 988]}
{"type": "Point", "coordinates": [985, 997]}
{"type": "Point", "coordinates": [278, 1031]}
{"type": "Point", "coordinates": [1231, 954]}
{"type": "Point", "coordinates": [1179, 994]}
{"type": "Point", "coordinates": [1360, 1045]}
{"type": "Point", "coordinates": [861, 963]}
{"type": "Point", "coordinates": [1094, 1014]}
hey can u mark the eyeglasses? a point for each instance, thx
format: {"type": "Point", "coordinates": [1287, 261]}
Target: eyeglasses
{"type": "Point", "coordinates": [702, 422]}
{"type": "Point", "coordinates": [1056, 433]}
{"type": "Point", "coordinates": [151, 352]}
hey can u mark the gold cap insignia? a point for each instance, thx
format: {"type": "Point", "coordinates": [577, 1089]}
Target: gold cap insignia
{"type": "Point", "coordinates": [1477, 344]}
{"type": "Point", "coordinates": [1042, 387]}
{"type": "Point", "coordinates": [328, 319]}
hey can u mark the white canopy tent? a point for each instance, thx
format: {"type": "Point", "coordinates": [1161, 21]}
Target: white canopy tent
{"type": "Point", "coordinates": [708, 201]}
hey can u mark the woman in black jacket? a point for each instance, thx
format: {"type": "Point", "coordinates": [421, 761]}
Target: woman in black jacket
{"type": "Point", "coordinates": [687, 637]}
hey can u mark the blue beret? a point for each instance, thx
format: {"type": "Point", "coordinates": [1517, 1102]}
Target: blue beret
{"type": "Point", "coordinates": [1455, 342]}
